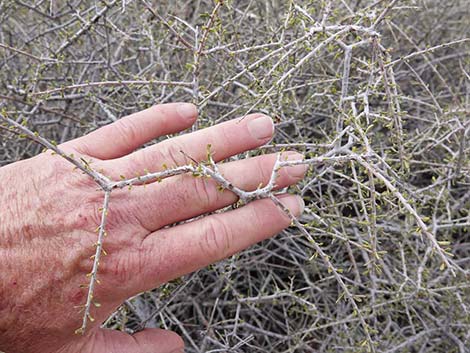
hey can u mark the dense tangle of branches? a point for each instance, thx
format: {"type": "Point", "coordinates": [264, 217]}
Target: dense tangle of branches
{"type": "Point", "coordinates": [375, 94]}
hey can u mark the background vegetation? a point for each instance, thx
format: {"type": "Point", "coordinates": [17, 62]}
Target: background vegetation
{"type": "Point", "coordinates": [376, 93]}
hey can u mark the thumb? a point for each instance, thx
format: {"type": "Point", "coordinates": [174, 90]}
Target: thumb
{"type": "Point", "coordinates": [146, 341]}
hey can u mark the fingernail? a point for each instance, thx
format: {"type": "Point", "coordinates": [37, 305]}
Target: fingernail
{"type": "Point", "coordinates": [187, 110]}
{"type": "Point", "coordinates": [261, 128]}
{"type": "Point", "coordinates": [296, 171]}
{"type": "Point", "coordinates": [294, 203]}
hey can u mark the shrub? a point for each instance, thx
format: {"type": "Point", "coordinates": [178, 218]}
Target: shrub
{"type": "Point", "coordinates": [376, 94]}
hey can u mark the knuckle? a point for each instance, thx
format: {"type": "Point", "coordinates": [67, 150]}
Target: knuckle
{"type": "Point", "coordinates": [118, 266]}
{"type": "Point", "coordinates": [126, 129]}
{"type": "Point", "coordinates": [217, 239]}
{"type": "Point", "coordinates": [138, 161]}
{"type": "Point", "coordinates": [157, 110]}
{"type": "Point", "coordinates": [257, 217]}
{"type": "Point", "coordinates": [164, 154]}
{"type": "Point", "coordinates": [171, 154]}
{"type": "Point", "coordinates": [206, 194]}
{"type": "Point", "coordinates": [58, 169]}
{"type": "Point", "coordinates": [262, 171]}
{"type": "Point", "coordinates": [88, 215]}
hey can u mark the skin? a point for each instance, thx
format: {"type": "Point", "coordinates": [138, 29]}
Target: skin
{"type": "Point", "coordinates": [50, 213]}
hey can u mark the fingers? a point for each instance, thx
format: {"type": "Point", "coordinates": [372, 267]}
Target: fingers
{"type": "Point", "coordinates": [148, 340]}
{"type": "Point", "coordinates": [127, 134]}
{"type": "Point", "coordinates": [226, 139]}
{"type": "Point", "coordinates": [184, 197]}
{"type": "Point", "coordinates": [172, 252]}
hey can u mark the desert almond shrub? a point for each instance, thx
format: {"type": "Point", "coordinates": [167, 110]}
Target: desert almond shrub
{"type": "Point", "coordinates": [374, 93]}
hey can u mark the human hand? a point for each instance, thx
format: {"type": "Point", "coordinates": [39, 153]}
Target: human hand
{"type": "Point", "coordinates": [50, 213]}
